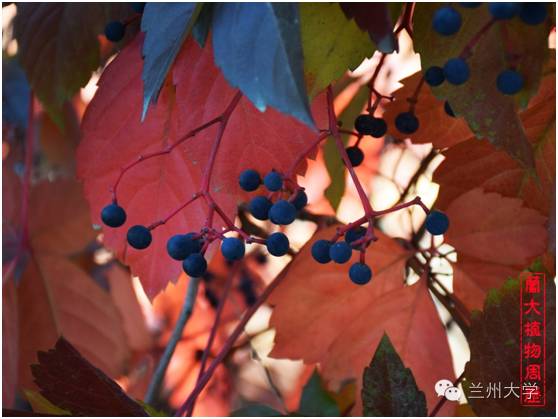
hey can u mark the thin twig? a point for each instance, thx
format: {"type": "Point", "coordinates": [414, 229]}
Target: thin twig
{"type": "Point", "coordinates": [185, 314]}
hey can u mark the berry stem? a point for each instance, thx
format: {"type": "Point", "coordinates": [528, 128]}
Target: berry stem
{"type": "Point", "coordinates": [162, 152]}
{"type": "Point", "coordinates": [227, 346]}
{"type": "Point", "coordinates": [416, 201]}
{"type": "Point", "coordinates": [341, 148]}
{"type": "Point", "coordinates": [228, 285]}
{"type": "Point", "coordinates": [468, 49]}
{"type": "Point", "coordinates": [223, 119]}
{"type": "Point", "coordinates": [185, 314]}
{"type": "Point", "coordinates": [172, 214]}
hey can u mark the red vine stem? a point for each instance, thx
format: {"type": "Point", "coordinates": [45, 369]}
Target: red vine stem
{"type": "Point", "coordinates": [341, 148]}
{"type": "Point", "coordinates": [159, 153]}
{"type": "Point", "coordinates": [204, 379]}
{"type": "Point", "coordinates": [26, 187]}
{"type": "Point", "coordinates": [213, 332]}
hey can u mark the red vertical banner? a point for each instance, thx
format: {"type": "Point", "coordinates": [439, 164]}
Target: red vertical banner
{"type": "Point", "coordinates": [533, 339]}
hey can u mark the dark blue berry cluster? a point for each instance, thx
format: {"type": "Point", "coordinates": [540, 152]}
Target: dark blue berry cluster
{"type": "Point", "coordinates": [282, 211]}
{"type": "Point", "coordinates": [325, 251]}
{"type": "Point", "coordinates": [190, 248]}
{"type": "Point", "coordinates": [447, 21]}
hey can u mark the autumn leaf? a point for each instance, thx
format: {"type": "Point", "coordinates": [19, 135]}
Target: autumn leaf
{"type": "Point", "coordinates": [475, 163]}
{"type": "Point", "coordinates": [56, 296]}
{"type": "Point", "coordinates": [376, 19]}
{"type": "Point", "coordinates": [435, 126]}
{"type": "Point", "coordinates": [389, 389]}
{"type": "Point", "coordinates": [495, 352]}
{"type": "Point", "coordinates": [331, 44]}
{"type": "Point", "coordinates": [487, 228]}
{"type": "Point", "coordinates": [69, 381]}
{"type": "Point", "coordinates": [10, 346]}
{"type": "Point", "coordinates": [56, 68]}
{"type": "Point", "coordinates": [489, 113]}
{"type": "Point", "coordinates": [321, 316]}
{"type": "Point", "coordinates": [111, 140]}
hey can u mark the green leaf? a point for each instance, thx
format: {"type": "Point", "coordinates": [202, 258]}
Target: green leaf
{"type": "Point", "coordinates": [166, 26]}
{"type": "Point", "coordinates": [41, 405]}
{"type": "Point", "coordinates": [256, 410]}
{"type": "Point", "coordinates": [334, 164]}
{"type": "Point", "coordinates": [494, 342]}
{"type": "Point", "coordinates": [489, 113]}
{"type": "Point", "coordinates": [58, 47]}
{"type": "Point", "coordinates": [331, 44]}
{"type": "Point", "coordinates": [315, 400]}
{"type": "Point", "coordinates": [151, 411]}
{"type": "Point", "coordinates": [389, 389]}
{"type": "Point", "coordinates": [257, 46]}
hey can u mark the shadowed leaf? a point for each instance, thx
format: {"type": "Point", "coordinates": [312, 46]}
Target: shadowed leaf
{"type": "Point", "coordinates": [166, 26]}
{"type": "Point", "coordinates": [69, 381]}
{"type": "Point", "coordinates": [389, 388]}
{"type": "Point", "coordinates": [259, 50]}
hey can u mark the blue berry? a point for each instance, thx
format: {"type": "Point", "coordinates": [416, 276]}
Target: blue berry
{"type": "Point", "coordinates": [300, 200]}
{"type": "Point", "coordinates": [437, 223]}
{"type": "Point", "coordinates": [113, 215]}
{"type": "Point", "coordinates": [446, 21]}
{"type": "Point", "coordinates": [502, 11]}
{"type": "Point", "coordinates": [282, 212]}
{"type": "Point", "coordinates": [448, 109]}
{"type": "Point", "coordinates": [180, 246]}
{"type": "Point", "coordinates": [114, 31]}
{"type": "Point", "coordinates": [139, 237]}
{"type": "Point", "coordinates": [368, 125]}
{"type": "Point", "coordinates": [195, 265]}
{"type": "Point", "coordinates": [138, 7]}
{"type": "Point", "coordinates": [456, 71]}
{"type": "Point", "coordinates": [273, 181]}
{"type": "Point", "coordinates": [533, 13]}
{"type": "Point", "coordinates": [434, 76]}
{"type": "Point", "coordinates": [406, 122]}
{"type": "Point", "coordinates": [249, 180]}
{"type": "Point", "coordinates": [277, 244]}
{"type": "Point", "coordinates": [470, 5]}
{"type": "Point", "coordinates": [232, 248]}
{"type": "Point", "coordinates": [355, 234]}
{"type": "Point", "coordinates": [360, 273]}
{"type": "Point", "coordinates": [340, 252]}
{"type": "Point", "coordinates": [259, 207]}
{"type": "Point", "coordinates": [509, 82]}
{"type": "Point", "coordinates": [356, 156]}
{"type": "Point", "coordinates": [320, 251]}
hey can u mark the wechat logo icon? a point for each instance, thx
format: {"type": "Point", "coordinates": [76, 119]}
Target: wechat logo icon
{"type": "Point", "coordinates": [445, 388]}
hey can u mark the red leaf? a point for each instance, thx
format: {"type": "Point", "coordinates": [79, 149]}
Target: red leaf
{"type": "Point", "coordinates": [321, 316]}
{"type": "Point", "coordinates": [57, 298]}
{"type": "Point", "coordinates": [494, 237]}
{"type": "Point", "coordinates": [436, 126]}
{"type": "Point", "coordinates": [113, 136]}
{"type": "Point", "coordinates": [69, 381]}
{"type": "Point", "coordinates": [10, 347]}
